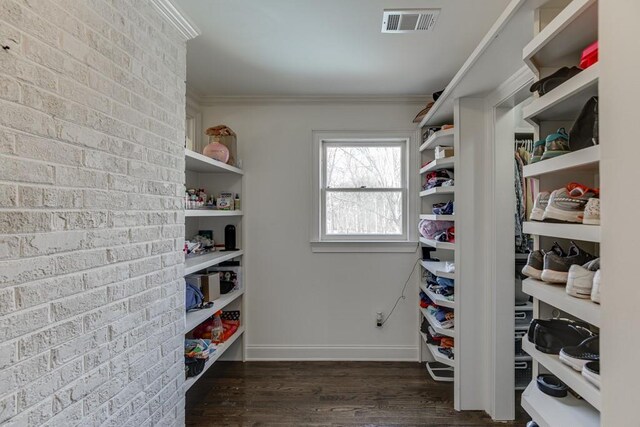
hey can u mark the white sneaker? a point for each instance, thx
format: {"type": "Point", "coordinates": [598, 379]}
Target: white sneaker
{"type": "Point", "coordinates": [580, 279]}
{"type": "Point", "coordinates": [595, 292]}
{"type": "Point", "coordinates": [539, 205]}
{"type": "Point", "coordinates": [592, 212]}
{"type": "Point", "coordinates": [565, 208]}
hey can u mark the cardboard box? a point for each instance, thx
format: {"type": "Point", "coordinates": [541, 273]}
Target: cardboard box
{"type": "Point", "coordinates": [442, 152]}
{"type": "Point", "coordinates": [209, 284]}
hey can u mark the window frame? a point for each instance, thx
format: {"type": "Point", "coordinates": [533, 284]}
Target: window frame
{"type": "Point", "coordinates": [405, 242]}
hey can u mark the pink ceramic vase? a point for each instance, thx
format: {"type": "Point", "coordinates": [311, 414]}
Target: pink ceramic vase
{"type": "Point", "coordinates": [216, 150]}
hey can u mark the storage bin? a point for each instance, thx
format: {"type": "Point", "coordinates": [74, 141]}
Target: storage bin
{"type": "Point", "coordinates": [523, 317]}
{"type": "Point", "coordinates": [523, 375]}
{"type": "Point", "coordinates": [518, 342]}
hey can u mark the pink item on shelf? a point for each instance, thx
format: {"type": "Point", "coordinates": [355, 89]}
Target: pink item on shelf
{"type": "Point", "coordinates": [217, 151]}
{"type": "Point", "coordinates": [589, 55]}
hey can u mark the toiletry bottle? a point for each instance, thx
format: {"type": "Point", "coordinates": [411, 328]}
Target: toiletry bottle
{"type": "Point", "coordinates": [236, 202]}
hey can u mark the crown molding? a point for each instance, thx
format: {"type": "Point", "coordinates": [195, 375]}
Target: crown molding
{"type": "Point", "coordinates": [177, 18]}
{"type": "Point", "coordinates": [319, 99]}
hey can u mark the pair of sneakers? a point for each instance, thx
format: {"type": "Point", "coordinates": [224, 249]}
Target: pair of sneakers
{"type": "Point", "coordinates": [583, 281]}
{"type": "Point", "coordinates": [574, 203]}
{"type": "Point", "coordinates": [584, 358]}
{"type": "Point", "coordinates": [553, 266]}
{"type": "Point", "coordinates": [554, 145]}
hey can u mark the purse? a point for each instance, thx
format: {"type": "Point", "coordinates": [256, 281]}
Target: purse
{"type": "Point", "coordinates": [584, 132]}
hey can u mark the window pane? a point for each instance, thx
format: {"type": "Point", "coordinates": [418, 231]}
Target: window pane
{"type": "Point", "coordinates": [364, 213]}
{"type": "Point", "coordinates": [363, 166]}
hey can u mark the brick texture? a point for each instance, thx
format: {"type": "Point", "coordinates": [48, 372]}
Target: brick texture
{"type": "Point", "coordinates": [92, 101]}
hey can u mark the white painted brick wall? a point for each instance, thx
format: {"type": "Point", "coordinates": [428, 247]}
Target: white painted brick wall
{"type": "Point", "coordinates": [91, 172]}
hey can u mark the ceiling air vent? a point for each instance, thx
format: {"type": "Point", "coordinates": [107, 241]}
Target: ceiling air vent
{"type": "Point", "coordinates": [407, 20]}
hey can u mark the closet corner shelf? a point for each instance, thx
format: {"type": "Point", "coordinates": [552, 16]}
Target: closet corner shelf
{"type": "Point", "coordinates": [585, 159]}
{"type": "Point", "coordinates": [437, 299]}
{"type": "Point", "coordinates": [437, 190]}
{"type": "Point", "coordinates": [575, 27]}
{"type": "Point", "coordinates": [438, 245]}
{"type": "Point", "coordinates": [565, 101]}
{"type": "Point", "coordinates": [442, 138]}
{"type": "Point", "coordinates": [556, 296]}
{"type": "Point", "coordinates": [437, 268]}
{"type": "Point", "coordinates": [565, 373]}
{"type": "Point", "coordinates": [433, 349]}
{"type": "Point", "coordinates": [438, 217]}
{"type": "Point", "coordinates": [210, 213]}
{"type": "Point", "coordinates": [219, 352]}
{"type": "Point", "coordinates": [196, 317]}
{"type": "Point", "coordinates": [446, 163]}
{"type": "Point", "coordinates": [436, 325]}
{"type": "Point", "coordinates": [196, 162]}
{"type": "Point", "coordinates": [200, 262]}
{"type": "Point", "coordinates": [584, 232]}
{"type": "Point", "coordinates": [550, 411]}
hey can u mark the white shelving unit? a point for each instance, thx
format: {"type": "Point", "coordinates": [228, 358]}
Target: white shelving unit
{"type": "Point", "coordinates": [220, 350]}
{"type": "Point", "coordinates": [436, 298]}
{"type": "Point", "coordinates": [584, 232]}
{"type": "Point", "coordinates": [558, 412]}
{"type": "Point", "coordinates": [215, 177]}
{"type": "Point", "coordinates": [438, 245]}
{"type": "Point", "coordinates": [437, 268]}
{"type": "Point", "coordinates": [438, 164]}
{"type": "Point", "coordinates": [436, 325]}
{"type": "Point", "coordinates": [559, 44]}
{"type": "Point", "coordinates": [443, 138]}
{"type": "Point", "coordinates": [438, 190]}
{"type": "Point", "coordinates": [439, 357]}
{"type": "Point", "coordinates": [567, 375]}
{"type": "Point", "coordinates": [210, 212]}
{"type": "Point", "coordinates": [438, 217]}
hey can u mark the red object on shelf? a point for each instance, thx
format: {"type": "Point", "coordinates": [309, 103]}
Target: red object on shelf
{"type": "Point", "coordinates": [589, 55]}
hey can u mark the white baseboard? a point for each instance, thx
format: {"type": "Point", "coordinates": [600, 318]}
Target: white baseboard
{"type": "Point", "coordinates": [312, 352]}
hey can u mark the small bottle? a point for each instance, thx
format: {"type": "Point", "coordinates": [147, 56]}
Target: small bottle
{"type": "Point", "coordinates": [236, 202]}
{"type": "Point", "coordinates": [217, 332]}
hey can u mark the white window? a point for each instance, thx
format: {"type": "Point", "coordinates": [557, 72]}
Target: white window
{"type": "Point", "coordinates": [362, 187]}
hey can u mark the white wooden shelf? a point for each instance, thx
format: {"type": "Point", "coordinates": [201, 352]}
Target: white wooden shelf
{"type": "Point", "coordinates": [438, 164]}
{"type": "Point", "coordinates": [584, 232]}
{"type": "Point", "coordinates": [565, 101]}
{"type": "Point", "coordinates": [568, 375]}
{"type": "Point", "coordinates": [443, 138]}
{"type": "Point", "coordinates": [556, 296]}
{"type": "Point", "coordinates": [190, 213]}
{"type": "Point", "coordinates": [212, 359]}
{"type": "Point", "coordinates": [436, 298]}
{"type": "Point", "coordinates": [564, 38]}
{"type": "Point", "coordinates": [438, 245]}
{"type": "Point", "coordinates": [437, 327]}
{"type": "Point", "coordinates": [196, 317]}
{"type": "Point", "coordinates": [550, 411]}
{"type": "Point", "coordinates": [437, 190]}
{"type": "Point", "coordinates": [439, 357]}
{"type": "Point", "coordinates": [437, 268]}
{"type": "Point", "coordinates": [438, 217]}
{"type": "Point", "coordinates": [200, 262]}
{"type": "Point", "coordinates": [585, 159]}
{"type": "Point", "coordinates": [196, 162]}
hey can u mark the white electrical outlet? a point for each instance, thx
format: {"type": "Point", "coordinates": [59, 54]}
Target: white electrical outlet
{"type": "Point", "coordinates": [379, 319]}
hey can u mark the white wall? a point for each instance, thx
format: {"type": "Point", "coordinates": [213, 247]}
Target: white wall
{"type": "Point", "coordinates": [305, 305]}
{"type": "Point", "coordinates": [620, 174]}
{"type": "Point", "coordinates": [91, 222]}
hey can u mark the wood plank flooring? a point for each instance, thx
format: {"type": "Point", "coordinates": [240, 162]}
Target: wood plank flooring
{"type": "Point", "coordinates": [326, 394]}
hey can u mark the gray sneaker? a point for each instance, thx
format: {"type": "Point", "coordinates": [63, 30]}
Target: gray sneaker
{"type": "Point", "coordinates": [562, 207]}
{"type": "Point", "coordinates": [556, 268]}
{"type": "Point", "coordinates": [539, 205]}
{"type": "Point", "coordinates": [535, 261]}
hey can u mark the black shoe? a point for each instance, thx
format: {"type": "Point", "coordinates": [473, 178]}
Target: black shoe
{"type": "Point", "coordinates": [550, 336]}
{"type": "Point", "coordinates": [591, 372]}
{"type": "Point", "coordinates": [551, 82]}
{"type": "Point", "coordinates": [556, 267]}
{"type": "Point", "coordinates": [578, 356]}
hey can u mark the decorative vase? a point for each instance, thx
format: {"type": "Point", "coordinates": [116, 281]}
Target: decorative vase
{"type": "Point", "coordinates": [216, 150]}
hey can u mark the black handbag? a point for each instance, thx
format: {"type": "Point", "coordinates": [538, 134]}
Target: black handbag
{"type": "Point", "coordinates": [584, 132]}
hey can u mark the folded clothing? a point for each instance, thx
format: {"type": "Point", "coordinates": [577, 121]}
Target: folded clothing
{"type": "Point", "coordinates": [445, 282]}
{"type": "Point", "coordinates": [436, 178]}
{"type": "Point", "coordinates": [431, 229]}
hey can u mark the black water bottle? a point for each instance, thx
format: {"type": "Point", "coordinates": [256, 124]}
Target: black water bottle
{"type": "Point", "coordinates": [230, 238]}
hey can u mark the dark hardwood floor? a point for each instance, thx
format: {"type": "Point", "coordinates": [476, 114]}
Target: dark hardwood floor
{"type": "Point", "coordinates": [326, 394]}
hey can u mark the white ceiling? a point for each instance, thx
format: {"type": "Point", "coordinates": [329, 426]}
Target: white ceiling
{"type": "Point", "coordinates": [327, 47]}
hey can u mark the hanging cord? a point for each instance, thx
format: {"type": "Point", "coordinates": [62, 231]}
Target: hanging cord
{"type": "Point", "coordinates": [402, 296]}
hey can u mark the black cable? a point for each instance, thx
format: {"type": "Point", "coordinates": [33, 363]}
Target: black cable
{"type": "Point", "coordinates": [402, 296]}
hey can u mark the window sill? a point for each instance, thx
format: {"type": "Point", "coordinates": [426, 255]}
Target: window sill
{"type": "Point", "coordinates": [364, 246]}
